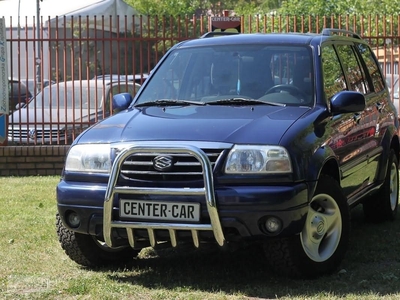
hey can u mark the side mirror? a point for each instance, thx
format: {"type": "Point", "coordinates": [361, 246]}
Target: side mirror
{"type": "Point", "coordinates": [347, 102]}
{"type": "Point", "coordinates": [121, 101]}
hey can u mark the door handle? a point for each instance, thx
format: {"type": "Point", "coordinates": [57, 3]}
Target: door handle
{"type": "Point", "coordinates": [357, 118]}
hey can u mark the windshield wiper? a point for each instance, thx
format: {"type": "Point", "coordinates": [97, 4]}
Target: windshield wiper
{"type": "Point", "coordinates": [246, 101]}
{"type": "Point", "coordinates": [168, 102]}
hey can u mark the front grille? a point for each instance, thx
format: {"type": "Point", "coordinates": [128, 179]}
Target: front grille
{"type": "Point", "coordinates": [185, 167]}
{"type": "Point", "coordinates": [25, 134]}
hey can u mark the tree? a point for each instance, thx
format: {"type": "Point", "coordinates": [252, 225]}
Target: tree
{"type": "Point", "coordinates": [338, 7]}
{"type": "Point", "coordinates": [178, 7]}
{"type": "Point", "coordinates": [369, 16]}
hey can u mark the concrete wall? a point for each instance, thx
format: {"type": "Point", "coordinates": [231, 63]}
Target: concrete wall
{"type": "Point", "coordinates": [32, 160]}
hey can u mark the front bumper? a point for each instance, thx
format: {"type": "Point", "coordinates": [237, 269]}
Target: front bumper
{"type": "Point", "coordinates": [227, 213]}
{"type": "Point", "coordinates": [241, 209]}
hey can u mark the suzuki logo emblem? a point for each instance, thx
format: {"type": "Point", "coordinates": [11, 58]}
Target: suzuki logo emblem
{"type": "Point", "coordinates": [163, 163]}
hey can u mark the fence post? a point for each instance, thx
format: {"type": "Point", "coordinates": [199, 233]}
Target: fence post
{"type": "Point", "coordinates": [4, 109]}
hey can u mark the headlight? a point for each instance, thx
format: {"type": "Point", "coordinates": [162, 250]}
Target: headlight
{"type": "Point", "coordinates": [257, 159]}
{"type": "Point", "coordinates": [89, 158]}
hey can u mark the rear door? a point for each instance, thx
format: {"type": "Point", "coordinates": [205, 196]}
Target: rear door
{"type": "Point", "coordinates": [353, 139]}
{"type": "Point", "coordinates": [379, 101]}
{"type": "Point", "coordinates": [359, 79]}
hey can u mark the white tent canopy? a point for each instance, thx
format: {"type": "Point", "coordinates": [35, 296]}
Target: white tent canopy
{"type": "Point", "coordinates": [107, 14]}
{"type": "Point", "coordinates": [26, 10]}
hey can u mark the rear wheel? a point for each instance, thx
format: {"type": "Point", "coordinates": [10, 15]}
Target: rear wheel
{"type": "Point", "coordinates": [88, 251]}
{"type": "Point", "coordinates": [383, 205]}
{"type": "Point", "coordinates": [323, 242]}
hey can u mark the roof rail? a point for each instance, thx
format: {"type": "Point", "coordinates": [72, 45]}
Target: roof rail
{"type": "Point", "coordinates": [332, 31]}
{"type": "Point", "coordinates": [218, 33]}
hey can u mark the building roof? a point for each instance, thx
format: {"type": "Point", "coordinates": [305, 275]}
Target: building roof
{"type": "Point", "coordinates": [27, 11]}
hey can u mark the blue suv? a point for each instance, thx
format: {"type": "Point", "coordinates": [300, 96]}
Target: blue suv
{"type": "Point", "coordinates": [268, 139]}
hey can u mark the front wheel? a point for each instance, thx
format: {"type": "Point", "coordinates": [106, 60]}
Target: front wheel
{"type": "Point", "coordinates": [88, 251]}
{"type": "Point", "coordinates": [323, 241]}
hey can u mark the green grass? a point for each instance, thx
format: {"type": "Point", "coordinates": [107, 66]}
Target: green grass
{"type": "Point", "coordinates": [33, 265]}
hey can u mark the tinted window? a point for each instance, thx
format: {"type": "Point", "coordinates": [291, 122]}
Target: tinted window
{"type": "Point", "coordinates": [372, 67]}
{"type": "Point", "coordinates": [334, 80]}
{"type": "Point", "coordinates": [352, 69]}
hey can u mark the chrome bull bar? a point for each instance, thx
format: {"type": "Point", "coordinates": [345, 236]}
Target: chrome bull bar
{"type": "Point", "coordinates": [207, 191]}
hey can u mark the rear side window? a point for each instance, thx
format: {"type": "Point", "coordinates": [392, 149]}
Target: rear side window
{"type": "Point", "coordinates": [352, 69]}
{"type": "Point", "coordinates": [372, 67]}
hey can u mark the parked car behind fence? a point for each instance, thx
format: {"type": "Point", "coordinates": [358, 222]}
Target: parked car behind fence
{"type": "Point", "coordinates": [61, 111]}
{"type": "Point", "coordinates": [392, 81]}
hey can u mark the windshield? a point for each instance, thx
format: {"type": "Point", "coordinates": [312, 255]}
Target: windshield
{"type": "Point", "coordinates": [60, 96]}
{"type": "Point", "coordinates": [275, 74]}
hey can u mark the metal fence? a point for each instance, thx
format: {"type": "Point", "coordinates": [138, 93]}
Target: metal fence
{"type": "Point", "coordinates": [68, 52]}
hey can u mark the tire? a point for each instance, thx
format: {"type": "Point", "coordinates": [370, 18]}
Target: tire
{"type": "Point", "coordinates": [320, 247]}
{"type": "Point", "coordinates": [383, 205]}
{"type": "Point", "coordinates": [88, 251]}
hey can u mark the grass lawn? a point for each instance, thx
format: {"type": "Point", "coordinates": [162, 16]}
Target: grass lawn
{"type": "Point", "coordinates": [33, 265]}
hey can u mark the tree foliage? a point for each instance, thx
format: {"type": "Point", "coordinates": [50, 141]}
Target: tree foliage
{"type": "Point", "coordinates": [284, 7]}
{"type": "Point", "coordinates": [201, 7]}
{"type": "Point", "coordinates": [339, 7]}
{"type": "Point", "coordinates": [171, 7]}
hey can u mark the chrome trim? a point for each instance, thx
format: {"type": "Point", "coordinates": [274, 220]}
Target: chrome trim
{"type": "Point", "coordinates": [207, 191]}
{"type": "Point", "coordinates": [198, 144]}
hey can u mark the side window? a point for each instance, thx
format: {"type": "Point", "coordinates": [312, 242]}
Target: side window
{"type": "Point", "coordinates": [372, 67]}
{"type": "Point", "coordinates": [334, 80]}
{"type": "Point", "coordinates": [352, 69]}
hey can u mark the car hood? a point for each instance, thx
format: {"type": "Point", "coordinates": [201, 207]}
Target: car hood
{"type": "Point", "coordinates": [232, 124]}
{"type": "Point", "coordinates": [27, 117]}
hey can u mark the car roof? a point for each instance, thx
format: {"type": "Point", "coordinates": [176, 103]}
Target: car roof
{"type": "Point", "coordinates": [293, 38]}
{"type": "Point", "coordinates": [120, 77]}
{"type": "Point", "coordinates": [91, 82]}
{"type": "Point", "coordinates": [248, 38]}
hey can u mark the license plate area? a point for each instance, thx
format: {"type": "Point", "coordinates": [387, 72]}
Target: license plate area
{"type": "Point", "coordinates": [161, 211]}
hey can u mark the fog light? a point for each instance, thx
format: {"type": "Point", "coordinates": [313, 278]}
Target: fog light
{"type": "Point", "coordinates": [73, 219]}
{"type": "Point", "coordinates": [273, 224]}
